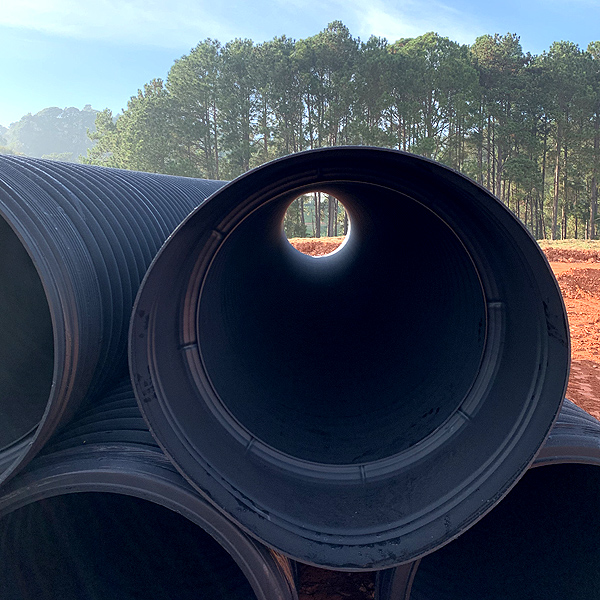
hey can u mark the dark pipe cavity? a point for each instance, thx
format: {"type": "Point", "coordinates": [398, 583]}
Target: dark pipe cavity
{"type": "Point", "coordinates": [539, 543]}
{"type": "Point", "coordinates": [341, 346]}
{"type": "Point", "coordinates": [27, 348]}
{"type": "Point", "coordinates": [359, 409]}
{"type": "Point", "coordinates": [100, 545]}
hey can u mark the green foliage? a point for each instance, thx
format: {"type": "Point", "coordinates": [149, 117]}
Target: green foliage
{"type": "Point", "coordinates": [192, 87]}
{"type": "Point", "coordinates": [143, 138]}
{"type": "Point", "coordinates": [292, 223]}
{"type": "Point", "coordinates": [105, 136]}
{"type": "Point", "coordinates": [527, 127]}
{"type": "Point", "coordinates": [238, 106]}
{"type": "Point", "coordinates": [52, 131]}
{"type": "Point", "coordinates": [7, 150]}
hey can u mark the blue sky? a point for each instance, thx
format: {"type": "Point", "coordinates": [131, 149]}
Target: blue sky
{"type": "Point", "coordinates": [99, 52]}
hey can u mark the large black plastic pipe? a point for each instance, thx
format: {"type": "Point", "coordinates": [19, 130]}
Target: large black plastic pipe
{"type": "Point", "coordinates": [75, 242]}
{"type": "Point", "coordinates": [102, 514]}
{"type": "Point", "coordinates": [357, 410]}
{"type": "Point", "coordinates": [539, 543]}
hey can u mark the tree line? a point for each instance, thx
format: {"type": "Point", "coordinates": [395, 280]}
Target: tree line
{"type": "Point", "coordinates": [525, 126]}
{"type": "Point", "coordinates": [53, 133]}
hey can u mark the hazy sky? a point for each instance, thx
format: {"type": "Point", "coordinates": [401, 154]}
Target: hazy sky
{"type": "Point", "coordinates": [99, 52]}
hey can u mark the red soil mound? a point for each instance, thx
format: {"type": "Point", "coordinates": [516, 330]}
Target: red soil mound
{"type": "Point", "coordinates": [567, 255]}
{"type": "Point", "coordinates": [579, 283]}
{"type": "Point", "coordinates": [317, 246]}
{"type": "Point", "coordinates": [580, 287]}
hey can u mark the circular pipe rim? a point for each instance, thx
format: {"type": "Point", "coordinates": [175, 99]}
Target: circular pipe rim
{"type": "Point", "coordinates": [145, 473]}
{"type": "Point", "coordinates": [40, 197]}
{"type": "Point", "coordinates": [428, 528]}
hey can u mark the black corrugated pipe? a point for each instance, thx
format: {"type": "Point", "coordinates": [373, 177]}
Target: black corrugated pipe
{"type": "Point", "coordinates": [539, 543]}
{"type": "Point", "coordinates": [75, 242]}
{"type": "Point", "coordinates": [103, 514]}
{"type": "Point", "coordinates": [357, 410]}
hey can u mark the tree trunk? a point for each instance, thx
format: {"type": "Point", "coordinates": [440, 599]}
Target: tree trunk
{"type": "Point", "coordinates": [265, 131]}
{"type": "Point", "coordinates": [216, 143]}
{"type": "Point", "coordinates": [499, 165]}
{"type": "Point", "coordinates": [532, 217]}
{"type": "Point", "coordinates": [565, 206]}
{"type": "Point", "coordinates": [575, 213]}
{"type": "Point", "coordinates": [556, 181]}
{"type": "Point", "coordinates": [480, 147]}
{"type": "Point", "coordinates": [594, 190]}
{"type": "Point", "coordinates": [489, 149]}
{"type": "Point", "coordinates": [543, 190]}
{"type": "Point", "coordinates": [593, 207]}
{"type": "Point", "coordinates": [310, 127]}
{"type": "Point", "coordinates": [539, 230]}
{"type": "Point", "coordinates": [317, 196]}
{"type": "Point", "coordinates": [330, 215]}
{"type": "Point", "coordinates": [302, 221]}
{"type": "Point", "coordinates": [335, 218]}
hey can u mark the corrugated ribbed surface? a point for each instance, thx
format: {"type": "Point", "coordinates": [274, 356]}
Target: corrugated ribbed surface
{"type": "Point", "coordinates": [90, 234]}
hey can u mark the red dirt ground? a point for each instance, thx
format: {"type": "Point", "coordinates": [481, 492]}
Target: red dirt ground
{"type": "Point", "coordinates": [317, 246]}
{"type": "Point", "coordinates": [580, 286]}
{"type": "Point", "coordinates": [578, 275]}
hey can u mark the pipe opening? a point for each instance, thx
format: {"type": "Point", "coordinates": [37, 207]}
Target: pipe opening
{"type": "Point", "coordinates": [302, 227]}
{"type": "Point", "coordinates": [27, 342]}
{"type": "Point", "coordinates": [351, 359]}
{"type": "Point", "coordinates": [540, 542]}
{"type": "Point", "coordinates": [101, 545]}
{"type": "Point", "coordinates": [355, 411]}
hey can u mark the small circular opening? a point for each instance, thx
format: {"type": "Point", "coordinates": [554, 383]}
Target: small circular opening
{"type": "Point", "coordinates": [102, 545]}
{"type": "Point", "coordinates": [26, 341]}
{"type": "Point", "coordinates": [316, 224]}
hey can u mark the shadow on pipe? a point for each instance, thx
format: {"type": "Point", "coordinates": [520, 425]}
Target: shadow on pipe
{"type": "Point", "coordinates": [539, 543]}
{"type": "Point", "coordinates": [102, 514]}
{"type": "Point", "coordinates": [75, 242]}
{"type": "Point", "coordinates": [360, 409]}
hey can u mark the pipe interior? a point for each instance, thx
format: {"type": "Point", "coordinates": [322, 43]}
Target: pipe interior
{"type": "Point", "coordinates": [27, 343]}
{"type": "Point", "coordinates": [351, 357]}
{"type": "Point", "coordinates": [100, 545]}
{"type": "Point", "coordinates": [539, 543]}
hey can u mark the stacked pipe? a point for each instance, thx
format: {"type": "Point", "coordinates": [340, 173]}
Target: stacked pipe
{"type": "Point", "coordinates": [369, 445]}
{"type": "Point", "coordinates": [101, 512]}
{"type": "Point", "coordinates": [134, 529]}
{"type": "Point", "coordinates": [540, 542]}
{"type": "Point", "coordinates": [76, 242]}
{"type": "Point", "coordinates": [356, 451]}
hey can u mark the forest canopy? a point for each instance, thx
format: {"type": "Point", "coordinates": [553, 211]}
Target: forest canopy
{"type": "Point", "coordinates": [526, 127]}
{"type": "Point", "coordinates": [54, 133]}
